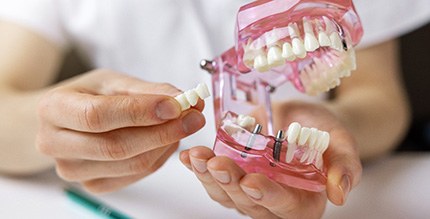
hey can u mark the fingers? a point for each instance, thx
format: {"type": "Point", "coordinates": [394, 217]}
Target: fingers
{"type": "Point", "coordinates": [220, 176]}
{"type": "Point", "coordinates": [344, 167]}
{"type": "Point", "coordinates": [98, 113]}
{"type": "Point", "coordinates": [72, 170]}
{"type": "Point", "coordinates": [281, 200]}
{"type": "Point", "coordinates": [198, 157]}
{"type": "Point", "coordinates": [105, 185]}
{"type": "Point", "coordinates": [118, 144]}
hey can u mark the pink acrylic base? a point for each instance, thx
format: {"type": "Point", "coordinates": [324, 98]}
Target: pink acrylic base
{"type": "Point", "coordinates": [259, 160]}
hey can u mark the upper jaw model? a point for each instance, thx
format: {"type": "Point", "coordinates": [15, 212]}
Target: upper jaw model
{"type": "Point", "coordinates": [308, 43]}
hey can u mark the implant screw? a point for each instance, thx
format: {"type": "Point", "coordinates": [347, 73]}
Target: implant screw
{"type": "Point", "coordinates": [345, 46]}
{"type": "Point", "coordinates": [207, 66]}
{"type": "Point", "coordinates": [278, 146]}
{"type": "Point", "coordinates": [250, 143]}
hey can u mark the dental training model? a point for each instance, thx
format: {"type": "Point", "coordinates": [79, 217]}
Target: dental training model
{"type": "Point", "coordinates": [306, 42]}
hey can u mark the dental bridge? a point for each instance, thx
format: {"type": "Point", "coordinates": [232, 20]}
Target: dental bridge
{"type": "Point", "coordinates": [306, 42]}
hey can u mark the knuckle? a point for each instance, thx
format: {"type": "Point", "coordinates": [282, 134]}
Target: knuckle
{"type": "Point", "coordinates": [113, 147]}
{"type": "Point", "coordinates": [134, 111]}
{"type": "Point", "coordinates": [91, 118]}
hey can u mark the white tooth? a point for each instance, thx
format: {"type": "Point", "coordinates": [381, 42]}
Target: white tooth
{"type": "Point", "coordinates": [292, 30]}
{"type": "Point", "coordinates": [257, 44]}
{"type": "Point", "coordinates": [274, 57]}
{"type": "Point", "coordinates": [325, 141]}
{"type": "Point", "coordinates": [313, 138]}
{"type": "Point", "coordinates": [347, 73]}
{"type": "Point", "coordinates": [192, 97]}
{"type": "Point", "coordinates": [304, 135]}
{"type": "Point", "coordinates": [293, 132]}
{"type": "Point", "coordinates": [182, 100]}
{"type": "Point", "coordinates": [319, 162]}
{"type": "Point", "coordinates": [336, 42]}
{"type": "Point", "coordinates": [287, 52]}
{"type": "Point", "coordinates": [245, 121]}
{"type": "Point", "coordinates": [260, 63]}
{"type": "Point", "coordinates": [202, 90]}
{"type": "Point", "coordinates": [298, 48]}
{"type": "Point", "coordinates": [272, 38]}
{"type": "Point", "coordinates": [311, 42]}
{"type": "Point", "coordinates": [312, 156]}
{"type": "Point", "coordinates": [305, 155]}
{"type": "Point", "coordinates": [291, 150]}
{"type": "Point", "coordinates": [323, 39]}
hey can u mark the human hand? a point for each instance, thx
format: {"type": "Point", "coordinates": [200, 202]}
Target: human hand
{"type": "Point", "coordinates": [107, 130]}
{"type": "Point", "coordinates": [260, 197]}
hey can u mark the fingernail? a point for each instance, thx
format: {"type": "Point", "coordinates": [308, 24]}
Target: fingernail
{"type": "Point", "coordinates": [221, 176]}
{"type": "Point", "coordinates": [345, 187]}
{"type": "Point", "coordinates": [254, 193]}
{"type": "Point", "coordinates": [167, 109]}
{"type": "Point", "coordinates": [199, 165]}
{"type": "Point", "coordinates": [192, 122]}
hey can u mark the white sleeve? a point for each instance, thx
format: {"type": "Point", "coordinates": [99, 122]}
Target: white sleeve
{"type": "Point", "coordinates": [42, 16]}
{"type": "Point", "coordinates": [388, 19]}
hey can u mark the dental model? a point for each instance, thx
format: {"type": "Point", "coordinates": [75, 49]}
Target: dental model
{"type": "Point", "coordinates": [309, 43]}
{"type": "Point", "coordinates": [191, 97]}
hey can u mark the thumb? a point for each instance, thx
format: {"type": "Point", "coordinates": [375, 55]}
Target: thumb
{"type": "Point", "coordinates": [344, 166]}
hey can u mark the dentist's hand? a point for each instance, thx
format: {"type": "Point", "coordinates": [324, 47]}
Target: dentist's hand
{"type": "Point", "coordinates": [107, 130]}
{"type": "Point", "coordinates": [260, 197]}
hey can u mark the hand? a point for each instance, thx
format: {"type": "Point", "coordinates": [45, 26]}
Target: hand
{"type": "Point", "coordinates": [260, 197]}
{"type": "Point", "coordinates": [107, 130]}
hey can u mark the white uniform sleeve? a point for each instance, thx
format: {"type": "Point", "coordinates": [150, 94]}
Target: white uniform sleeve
{"type": "Point", "coordinates": [42, 16]}
{"type": "Point", "coordinates": [388, 19]}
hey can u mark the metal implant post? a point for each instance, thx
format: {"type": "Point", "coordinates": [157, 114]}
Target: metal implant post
{"type": "Point", "coordinates": [207, 66]}
{"type": "Point", "coordinates": [278, 145]}
{"type": "Point", "coordinates": [251, 140]}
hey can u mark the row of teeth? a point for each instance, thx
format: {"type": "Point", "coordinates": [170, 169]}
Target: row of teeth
{"type": "Point", "coordinates": [191, 97]}
{"type": "Point", "coordinates": [313, 141]}
{"type": "Point", "coordinates": [319, 77]}
{"type": "Point", "coordinates": [276, 53]}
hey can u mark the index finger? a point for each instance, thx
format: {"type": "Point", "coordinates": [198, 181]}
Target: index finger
{"type": "Point", "coordinates": [101, 113]}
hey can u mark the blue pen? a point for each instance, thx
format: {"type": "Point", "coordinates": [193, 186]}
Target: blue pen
{"type": "Point", "coordinates": [93, 204]}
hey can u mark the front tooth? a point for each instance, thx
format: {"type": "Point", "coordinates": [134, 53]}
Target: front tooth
{"type": "Point", "coordinates": [182, 100]}
{"type": "Point", "coordinates": [287, 52]}
{"type": "Point", "coordinates": [274, 57]}
{"type": "Point", "coordinates": [192, 97]}
{"type": "Point", "coordinates": [304, 135]}
{"type": "Point", "coordinates": [293, 132]}
{"type": "Point", "coordinates": [325, 141]}
{"type": "Point", "coordinates": [336, 42]}
{"type": "Point", "coordinates": [245, 121]}
{"type": "Point", "coordinates": [260, 63]}
{"type": "Point", "coordinates": [292, 147]}
{"type": "Point", "coordinates": [202, 90]}
{"type": "Point", "coordinates": [298, 48]}
{"type": "Point", "coordinates": [311, 42]}
{"type": "Point", "coordinates": [313, 138]}
{"type": "Point", "coordinates": [323, 39]}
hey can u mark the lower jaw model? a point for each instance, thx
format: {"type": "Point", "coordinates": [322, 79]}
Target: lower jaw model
{"type": "Point", "coordinates": [308, 43]}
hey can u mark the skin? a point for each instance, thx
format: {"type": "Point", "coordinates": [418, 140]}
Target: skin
{"type": "Point", "coordinates": [75, 128]}
{"type": "Point", "coordinates": [362, 122]}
